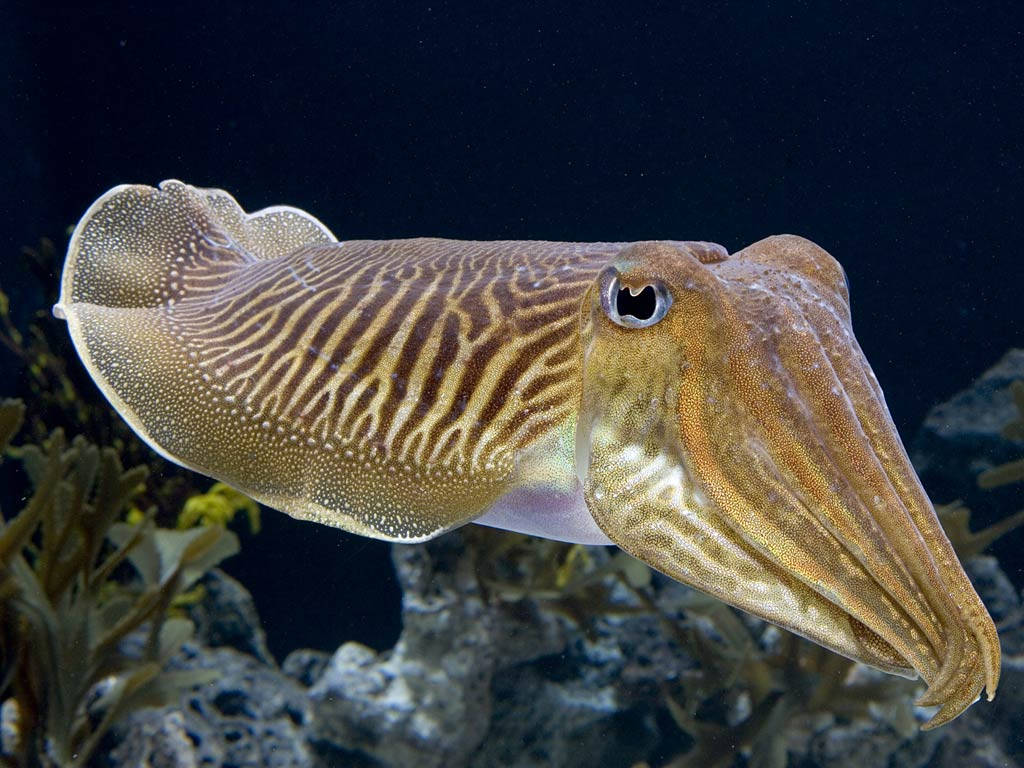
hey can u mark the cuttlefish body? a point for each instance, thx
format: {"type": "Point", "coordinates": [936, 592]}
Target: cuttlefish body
{"type": "Point", "coordinates": [711, 414]}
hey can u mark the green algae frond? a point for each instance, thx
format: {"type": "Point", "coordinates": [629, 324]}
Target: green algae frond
{"type": "Point", "coordinates": [75, 584]}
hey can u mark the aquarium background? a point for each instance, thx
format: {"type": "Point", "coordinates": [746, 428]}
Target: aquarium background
{"type": "Point", "coordinates": [890, 134]}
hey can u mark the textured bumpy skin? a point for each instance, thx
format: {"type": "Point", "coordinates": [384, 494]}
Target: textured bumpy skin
{"type": "Point", "coordinates": [740, 443]}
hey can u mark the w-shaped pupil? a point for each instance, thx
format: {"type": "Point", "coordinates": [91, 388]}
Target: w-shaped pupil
{"type": "Point", "coordinates": [641, 306]}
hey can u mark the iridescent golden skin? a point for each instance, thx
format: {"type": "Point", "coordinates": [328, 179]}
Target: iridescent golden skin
{"type": "Point", "coordinates": [772, 474]}
{"type": "Point", "coordinates": [728, 432]}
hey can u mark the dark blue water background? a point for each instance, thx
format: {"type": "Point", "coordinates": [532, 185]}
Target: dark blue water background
{"type": "Point", "coordinates": [891, 136]}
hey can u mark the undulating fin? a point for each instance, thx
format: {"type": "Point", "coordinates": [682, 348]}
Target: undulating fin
{"type": "Point", "coordinates": [138, 246]}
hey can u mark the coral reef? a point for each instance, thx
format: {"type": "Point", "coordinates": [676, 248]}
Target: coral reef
{"type": "Point", "coordinates": [481, 678]}
{"type": "Point", "coordinates": [248, 715]}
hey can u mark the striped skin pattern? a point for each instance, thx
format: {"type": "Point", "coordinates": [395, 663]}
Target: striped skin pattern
{"type": "Point", "coordinates": [734, 437]}
{"type": "Point", "coordinates": [346, 383]}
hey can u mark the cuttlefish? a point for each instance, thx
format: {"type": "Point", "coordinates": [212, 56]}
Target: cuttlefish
{"type": "Point", "coordinates": [710, 413]}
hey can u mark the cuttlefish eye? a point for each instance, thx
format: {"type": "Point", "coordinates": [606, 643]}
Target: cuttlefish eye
{"type": "Point", "coordinates": [633, 307]}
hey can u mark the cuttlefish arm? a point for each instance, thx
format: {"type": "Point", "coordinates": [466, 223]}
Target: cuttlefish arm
{"type": "Point", "coordinates": [711, 414]}
{"type": "Point", "coordinates": [742, 445]}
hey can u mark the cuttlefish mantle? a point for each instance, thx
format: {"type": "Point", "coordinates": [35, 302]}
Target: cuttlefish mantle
{"type": "Point", "coordinates": [711, 414]}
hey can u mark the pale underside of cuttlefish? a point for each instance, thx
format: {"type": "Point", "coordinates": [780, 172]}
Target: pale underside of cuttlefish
{"type": "Point", "coordinates": [711, 414]}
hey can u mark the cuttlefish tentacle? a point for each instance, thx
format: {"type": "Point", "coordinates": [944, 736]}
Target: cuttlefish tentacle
{"type": "Point", "coordinates": [804, 399]}
{"type": "Point", "coordinates": [897, 508]}
{"type": "Point", "coordinates": [710, 413]}
{"type": "Point", "coordinates": [825, 405]}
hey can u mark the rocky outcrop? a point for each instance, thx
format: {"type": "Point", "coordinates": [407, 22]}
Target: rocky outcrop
{"type": "Point", "coordinates": [962, 437]}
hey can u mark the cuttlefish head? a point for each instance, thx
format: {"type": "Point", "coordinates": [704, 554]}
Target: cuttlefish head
{"type": "Point", "coordinates": [733, 436]}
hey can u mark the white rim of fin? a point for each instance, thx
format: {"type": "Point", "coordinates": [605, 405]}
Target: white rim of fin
{"type": "Point", "coordinates": [59, 310]}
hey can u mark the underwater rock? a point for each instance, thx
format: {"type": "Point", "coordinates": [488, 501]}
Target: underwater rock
{"type": "Point", "coordinates": [226, 616]}
{"type": "Point", "coordinates": [869, 744]}
{"type": "Point", "coordinates": [491, 682]}
{"type": "Point", "coordinates": [305, 665]}
{"type": "Point", "coordinates": [541, 720]}
{"type": "Point", "coordinates": [427, 702]}
{"type": "Point", "coordinates": [250, 715]}
{"type": "Point", "coordinates": [596, 701]}
{"type": "Point", "coordinates": [962, 437]}
{"type": "Point", "coordinates": [258, 712]}
{"type": "Point", "coordinates": [158, 739]}
{"type": "Point", "coordinates": [479, 680]}
{"type": "Point", "coordinates": [978, 749]}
